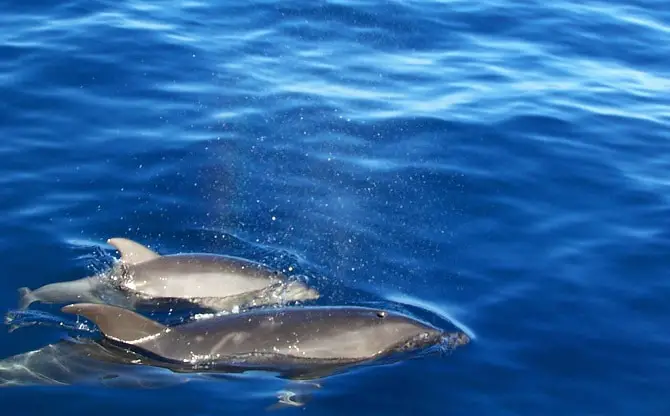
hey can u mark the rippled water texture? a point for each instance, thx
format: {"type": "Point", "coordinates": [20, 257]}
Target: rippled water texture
{"type": "Point", "coordinates": [499, 166]}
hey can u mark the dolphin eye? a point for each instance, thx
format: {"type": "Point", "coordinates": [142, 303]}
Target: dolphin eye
{"type": "Point", "coordinates": [381, 314]}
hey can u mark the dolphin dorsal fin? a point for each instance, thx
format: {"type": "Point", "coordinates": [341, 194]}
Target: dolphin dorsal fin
{"type": "Point", "coordinates": [117, 323]}
{"type": "Point", "coordinates": [131, 251]}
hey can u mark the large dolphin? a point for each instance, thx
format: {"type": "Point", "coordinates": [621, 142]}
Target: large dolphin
{"type": "Point", "coordinates": [302, 343]}
{"type": "Point", "coordinates": [143, 277]}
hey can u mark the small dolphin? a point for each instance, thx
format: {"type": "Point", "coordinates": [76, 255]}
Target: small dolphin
{"type": "Point", "coordinates": [310, 340]}
{"type": "Point", "coordinates": [143, 277]}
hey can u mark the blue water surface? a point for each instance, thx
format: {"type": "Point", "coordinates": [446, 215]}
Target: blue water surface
{"type": "Point", "coordinates": [502, 165]}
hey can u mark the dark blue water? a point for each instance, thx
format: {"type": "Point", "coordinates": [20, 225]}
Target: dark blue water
{"type": "Point", "coordinates": [502, 165]}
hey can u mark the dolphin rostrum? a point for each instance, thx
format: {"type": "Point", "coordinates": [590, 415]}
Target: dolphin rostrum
{"type": "Point", "coordinates": [307, 339]}
{"type": "Point", "coordinates": [143, 277]}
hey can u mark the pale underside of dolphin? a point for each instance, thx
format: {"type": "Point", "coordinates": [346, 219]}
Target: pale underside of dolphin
{"type": "Point", "coordinates": [303, 343]}
{"type": "Point", "coordinates": [143, 277]}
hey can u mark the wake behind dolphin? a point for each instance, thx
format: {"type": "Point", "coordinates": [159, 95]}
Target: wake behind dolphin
{"type": "Point", "coordinates": [85, 361]}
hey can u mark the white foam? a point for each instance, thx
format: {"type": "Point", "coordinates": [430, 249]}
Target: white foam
{"type": "Point", "coordinates": [432, 307]}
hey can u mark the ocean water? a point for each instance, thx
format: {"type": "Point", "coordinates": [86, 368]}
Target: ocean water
{"type": "Point", "coordinates": [499, 166]}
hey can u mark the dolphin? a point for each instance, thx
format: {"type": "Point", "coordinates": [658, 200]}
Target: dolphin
{"type": "Point", "coordinates": [300, 343]}
{"type": "Point", "coordinates": [143, 277]}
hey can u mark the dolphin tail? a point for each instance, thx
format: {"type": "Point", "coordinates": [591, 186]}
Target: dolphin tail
{"type": "Point", "coordinates": [26, 298]}
{"type": "Point", "coordinates": [117, 323]}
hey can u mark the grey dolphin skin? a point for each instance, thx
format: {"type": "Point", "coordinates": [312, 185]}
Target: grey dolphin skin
{"type": "Point", "coordinates": [143, 277]}
{"type": "Point", "coordinates": [308, 339]}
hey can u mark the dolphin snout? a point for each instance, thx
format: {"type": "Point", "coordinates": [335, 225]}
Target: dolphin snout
{"type": "Point", "coordinates": [456, 339]}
